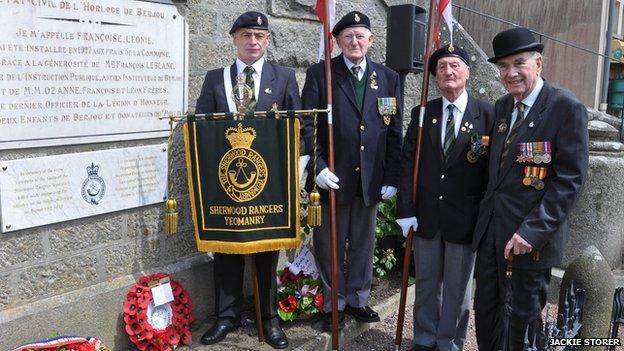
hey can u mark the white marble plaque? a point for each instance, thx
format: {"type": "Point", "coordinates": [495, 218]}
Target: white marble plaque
{"type": "Point", "coordinates": [82, 71]}
{"type": "Point", "coordinates": [43, 190]}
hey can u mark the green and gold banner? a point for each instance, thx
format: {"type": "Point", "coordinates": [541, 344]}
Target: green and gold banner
{"type": "Point", "coordinates": [243, 184]}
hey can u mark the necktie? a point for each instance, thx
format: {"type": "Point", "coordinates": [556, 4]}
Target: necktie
{"type": "Point", "coordinates": [513, 133]}
{"type": "Point", "coordinates": [249, 71]}
{"type": "Point", "coordinates": [449, 135]}
{"type": "Point", "coordinates": [355, 70]}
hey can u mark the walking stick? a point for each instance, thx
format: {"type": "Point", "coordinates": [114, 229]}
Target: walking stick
{"type": "Point", "coordinates": [259, 324]}
{"type": "Point", "coordinates": [507, 307]}
{"type": "Point", "coordinates": [407, 257]}
{"type": "Point", "coordinates": [332, 194]}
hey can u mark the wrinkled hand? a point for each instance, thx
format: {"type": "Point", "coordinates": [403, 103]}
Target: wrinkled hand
{"type": "Point", "coordinates": [406, 224]}
{"type": "Point", "coordinates": [518, 245]}
{"type": "Point", "coordinates": [303, 162]}
{"type": "Point", "coordinates": [326, 179]}
{"type": "Point", "coordinates": [388, 191]}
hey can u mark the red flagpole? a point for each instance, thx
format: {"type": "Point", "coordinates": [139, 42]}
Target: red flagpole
{"type": "Point", "coordinates": [421, 116]}
{"type": "Point", "coordinates": [332, 194]}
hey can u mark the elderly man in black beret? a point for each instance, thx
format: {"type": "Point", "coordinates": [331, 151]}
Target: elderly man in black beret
{"type": "Point", "coordinates": [538, 163]}
{"type": "Point", "coordinates": [272, 85]}
{"type": "Point", "coordinates": [367, 160]}
{"type": "Point", "coordinates": [452, 180]}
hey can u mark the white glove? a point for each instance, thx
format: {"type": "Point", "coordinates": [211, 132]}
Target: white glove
{"type": "Point", "coordinates": [406, 224]}
{"type": "Point", "coordinates": [388, 191]}
{"type": "Point", "coordinates": [326, 179]}
{"type": "Point", "coordinates": [303, 162]}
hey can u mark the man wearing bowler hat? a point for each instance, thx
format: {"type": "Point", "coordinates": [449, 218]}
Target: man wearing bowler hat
{"type": "Point", "coordinates": [367, 158]}
{"type": "Point", "coordinates": [272, 86]}
{"type": "Point", "coordinates": [451, 183]}
{"type": "Point", "coordinates": [538, 163]}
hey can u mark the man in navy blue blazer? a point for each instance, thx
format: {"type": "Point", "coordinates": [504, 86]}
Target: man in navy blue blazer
{"type": "Point", "coordinates": [272, 85]}
{"type": "Point", "coordinates": [367, 148]}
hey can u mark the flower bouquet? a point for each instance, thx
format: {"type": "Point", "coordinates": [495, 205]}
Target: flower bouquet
{"type": "Point", "coordinates": [298, 295]}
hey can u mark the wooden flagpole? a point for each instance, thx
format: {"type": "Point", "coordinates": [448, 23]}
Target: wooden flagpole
{"type": "Point", "coordinates": [332, 194]}
{"type": "Point", "coordinates": [421, 116]}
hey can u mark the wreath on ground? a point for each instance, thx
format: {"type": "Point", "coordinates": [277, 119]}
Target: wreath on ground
{"type": "Point", "coordinates": [161, 327]}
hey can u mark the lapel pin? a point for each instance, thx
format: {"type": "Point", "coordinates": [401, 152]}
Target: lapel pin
{"type": "Point", "coordinates": [268, 90]}
{"type": "Point", "coordinates": [470, 126]}
{"type": "Point", "coordinates": [531, 124]}
{"type": "Point", "coordinates": [434, 121]}
{"type": "Point", "coordinates": [466, 124]}
{"type": "Point", "coordinates": [463, 128]}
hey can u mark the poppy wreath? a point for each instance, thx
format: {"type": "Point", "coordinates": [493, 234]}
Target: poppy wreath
{"type": "Point", "coordinates": [173, 326]}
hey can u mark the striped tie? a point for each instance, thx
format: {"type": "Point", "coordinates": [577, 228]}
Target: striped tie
{"type": "Point", "coordinates": [513, 133]}
{"type": "Point", "coordinates": [249, 71]}
{"type": "Point", "coordinates": [355, 70]}
{"type": "Point", "coordinates": [449, 135]}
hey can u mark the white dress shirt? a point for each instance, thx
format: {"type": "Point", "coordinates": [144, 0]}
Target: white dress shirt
{"type": "Point", "coordinates": [458, 113]}
{"type": "Point", "coordinates": [527, 101]}
{"type": "Point", "coordinates": [350, 65]}
{"type": "Point", "coordinates": [240, 67]}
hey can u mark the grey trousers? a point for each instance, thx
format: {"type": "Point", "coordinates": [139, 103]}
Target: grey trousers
{"type": "Point", "coordinates": [356, 238]}
{"type": "Point", "coordinates": [443, 292]}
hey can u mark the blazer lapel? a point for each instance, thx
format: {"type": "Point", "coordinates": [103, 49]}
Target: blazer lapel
{"type": "Point", "coordinates": [528, 126]}
{"type": "Point", "coordinates": [499, 135]}
{"type": "Point", "coordinates": [370, 94]}
{"type": "Point", "coordinates": [267, 84]}
{"type": "Point", "coordinates": [434, 112]}
{"type": "Point", "coordinates": [463, 137]}
{"type": "Point", "coordinates": [343, 79]}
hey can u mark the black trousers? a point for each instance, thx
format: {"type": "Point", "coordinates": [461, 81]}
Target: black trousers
{"type": "Point", "coordinates": [528, 297]}
{"type": "Point", "coordinates": [229, 273]}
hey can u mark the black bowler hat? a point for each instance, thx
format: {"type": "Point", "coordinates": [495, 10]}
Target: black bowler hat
{"type": "Point", "coordinates": [251, 19]}
{"type": "Point", "coordinates": [447, 51]}
{"type": "Point", "coordinates": [513, 41]}
{"type": "Point", "coordinates": [351, 19]}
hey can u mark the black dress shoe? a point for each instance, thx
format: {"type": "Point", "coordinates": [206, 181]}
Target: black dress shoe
{"type": "Point", "coordinates": [363, 314]}
{"type": "Point", "coordinates": [275, 337]}
{"type": "Point", "coordinates": [327, 321]}
{"type": "Point", "coordinates": [216, 333]}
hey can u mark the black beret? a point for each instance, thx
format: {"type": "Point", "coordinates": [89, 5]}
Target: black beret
{"type": "Point", "coordinates": [351, 19]}
{"type": "Point", "coordinates": [251, 19]}
{"type": "Point", "coordinates": [514, 41]}
{"type": "Point", "coordinates": [446, 51]}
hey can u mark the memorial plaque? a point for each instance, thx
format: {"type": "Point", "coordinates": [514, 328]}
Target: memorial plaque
{"type": "Point", "coordinates": [43, 190]}
{"type": "Point", "coordinates": [77, 71]}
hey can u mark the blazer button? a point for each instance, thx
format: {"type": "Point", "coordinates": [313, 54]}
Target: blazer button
{"type": "Point", "coordinates": [362, 148]}
{"type": "Point", "coordinates": [362, 127]}
{"type": "Point", "coordinates": [441, 197]}
{"type": "Point", "coordinates": [357, 169]}
{"type": "Point", "coordinates": [442, 176]}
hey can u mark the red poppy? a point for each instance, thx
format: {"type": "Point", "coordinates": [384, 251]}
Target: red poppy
{"type": "Point", "coordinates": [288, 304]}
{"type": "Point", "coordinates": [319, 299]}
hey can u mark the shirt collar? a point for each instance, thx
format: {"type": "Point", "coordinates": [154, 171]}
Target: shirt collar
{"type": "Point", "coordinates": [460, 103]}
{"type": "Point", "coordinates": [240, 65]}
{"type": "Point", "coordinates": [530, 99]}
{"type": "Point", "coordinates": [351, 64]}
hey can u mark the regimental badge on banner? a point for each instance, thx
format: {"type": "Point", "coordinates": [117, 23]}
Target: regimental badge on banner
{"type": "Point", "coordinates": [536, 152]}
{"type": "Point", "coordinates": [478, 147]}
{"type": "Point", "coordinates": [387, 107]}
{"type": "Point", "coordinates": [243, 184]}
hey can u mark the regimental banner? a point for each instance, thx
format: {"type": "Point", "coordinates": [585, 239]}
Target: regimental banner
{"type": "Point", "coordinates": [243, 184]}
{"type": "Point", "coordinates": [50, 189]}
{"type": "Point", "coordinates": [75, 71]}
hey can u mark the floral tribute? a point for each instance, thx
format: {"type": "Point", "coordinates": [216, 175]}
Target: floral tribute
{"type": "Point", "coordinates": [298, 294]}
{"type": "Point", "coordinates": [157, 328]}
{"type": "Point", "coordinates": [65, 343]}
